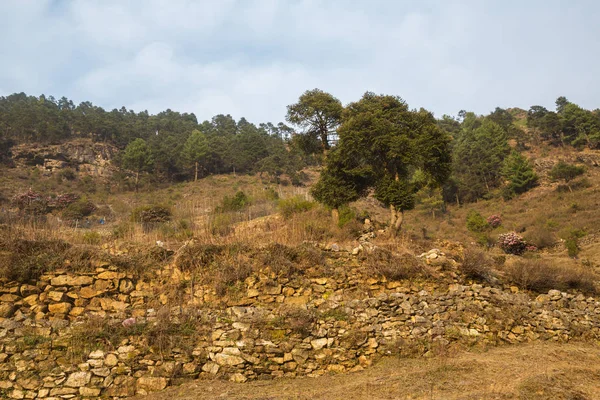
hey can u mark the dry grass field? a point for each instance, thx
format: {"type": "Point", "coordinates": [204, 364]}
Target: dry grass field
{"type": "Point", "coordinates": [527, 372]}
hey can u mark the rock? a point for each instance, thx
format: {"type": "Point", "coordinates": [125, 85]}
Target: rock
{"type": "Point", "coordinates": [229, 360]}
{"type": "Point", "coordinates": [126, 286]}
{"type": "Point", "coordinates": [111, 360]}
{"type": "Point", "coordinates": [9, 298]}
{"type": "Point", "coordinates": [211, 367]}
{"type": "Point", "coordinates": [56, 296]}
{"type": "Point", "coordinates": [238, 378]}
{"type": "Point", "coordinates": [89, 392]}
{"type": "Point", "coordinates": [252, 293]}
{"type": "Point", "coordinates": [151, 384]}
{"type": "Point", "coordinates": [88, 292]}
{"type": "Point", "coordinates": [318, 344]}
{"type": "Point", "coordinates": [78, 379]}
{"type": "Point", "coordinates": [273, 290]}
{"type": "Point", "coordinates": [60, 308]}
{"type": "Point", "coordinates": [7, 310]}
{"type": "Point", "coordinates": [67, 280]}
{"type": "Point", "coordinates": [17, 394]}
{"type": "Point", "coordinates": [109, 275]}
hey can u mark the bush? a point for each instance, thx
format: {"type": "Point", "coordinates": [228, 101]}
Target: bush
{"type": "Point", "coordinates": [541, 238]}
{"type": "Point", "coordinates": [151, 214]}
{"type": "Point", "coordinates": [235, 203]}
{"type": "Point", "coordinates": [92, 237]}
{"type": "Point", "coordinates": [294, 205]}
{"type": "Point", "coordinates": [541, 276]}
{"type": "Point", "coordinates": [476, 223]}
{"type": "Point", "coordinates": [31, 202]}
{"type": "Point", "coordinates": [78, 210]}
{"type": "Point", "coordinates": [512, 243]}
{"type": "Point", "coordinates": [476, 265]}
{"type": "Point", "coordinates": [494, 221]}
{"type": "Point", "coordinates": [393, 267]}
{"type": "Point", "coordinates": [346, 215]}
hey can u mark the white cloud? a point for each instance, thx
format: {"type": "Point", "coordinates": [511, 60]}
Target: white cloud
{"type": "Point", "coordinates": [251, 58]}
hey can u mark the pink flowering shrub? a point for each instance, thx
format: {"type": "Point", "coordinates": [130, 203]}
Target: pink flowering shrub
{"type": "Point", "coordinates": [494, 221]}
{"type": "Point", "coordinates": [512, 243]}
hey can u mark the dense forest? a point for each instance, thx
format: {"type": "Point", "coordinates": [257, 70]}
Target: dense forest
{"type": "Point", "coordinates": [475, 154]}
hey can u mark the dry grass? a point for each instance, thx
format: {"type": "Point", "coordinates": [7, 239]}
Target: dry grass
{"type": "Point", "coordinates": [476, 264]}
{"type": "Point", "coordinates": [528, 372]}
{"type": "Point", "coordinates": [394, 266]}
{"type": "Point", "coordinates": [542, 275]}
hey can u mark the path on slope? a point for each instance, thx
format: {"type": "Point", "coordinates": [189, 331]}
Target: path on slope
{"type": "Point", "coordinates": [528, 372]}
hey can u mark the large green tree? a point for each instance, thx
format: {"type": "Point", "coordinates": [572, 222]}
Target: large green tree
{"type": "Point", "coordinates": [195, 150]}
{"type": "Point", "coordinates": [317, 113]}
{"type": "Point", "coordinates": [384, 146]}
{"type": "Point", "coordinates": [138, 158]}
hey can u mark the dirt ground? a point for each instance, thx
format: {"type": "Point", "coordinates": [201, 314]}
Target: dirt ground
{"type": "Point", "coordinates": [528, 372]}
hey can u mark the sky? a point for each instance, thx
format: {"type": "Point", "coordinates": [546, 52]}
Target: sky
{"type": "Point", "coordinates": [252, 58]}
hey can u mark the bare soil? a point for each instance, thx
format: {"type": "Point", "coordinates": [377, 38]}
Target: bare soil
{"type": "Point", "coordinates": [528, 372]}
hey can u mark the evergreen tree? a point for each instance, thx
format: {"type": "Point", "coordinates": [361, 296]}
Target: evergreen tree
{"type": "Point", "coordinates": [195, 150]}
{"type": "Point", "coordinates": [138, 158]}
{"type": "Point", "coordinates": [517, 170]}
{"type": "Point", "coordinates": [318, 113]}
{"type": "Point", "coordinates": [386, 147]}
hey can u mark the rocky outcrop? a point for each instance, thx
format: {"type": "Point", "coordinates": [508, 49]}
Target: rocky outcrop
{"type": "Point", "coordinates": [82, 155]}
{"type": "Point", "coordinates": [271, 328]}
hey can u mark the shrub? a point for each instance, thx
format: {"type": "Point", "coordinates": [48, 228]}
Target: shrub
{"type": "Point", "coordinates": [91, 237]}
{"type": "Point", "coordinates": [541, 276]}
{"type": "Point", "coordinates": [540, 237]}
{"type": "Point", "coordinates": [494, 221]}
{"type": "Point", "coordinates": [346, 215]}
{"type": "Point", "coordinates": [67, 174]}
{"type": "Point", "coordinates": [512, 243]}
{"type": "Point", "coordinates": [476, 265]}
{"type": "Point", "coordinates": [572, 242]}
{"type": "Point", "coordinates": [151, 214]}
{"type": "Point", "coordinates": [80, 209]}
{"type": "Point", "coordinates": [31, 202]}
{"type": "Point", "coordinates": [476, 223]}
{"type": "Point", "coordinates": [294, 205]}
{"type": "Point", "coordinates": [236, 203]}
{"type": "Point", "coordinates": [566, 172]}
{"type": "Point", "coordinates": [392, 266]}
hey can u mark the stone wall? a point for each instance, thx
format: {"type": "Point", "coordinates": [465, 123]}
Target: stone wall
{"type": "Point", "coordinates": [272, 328]}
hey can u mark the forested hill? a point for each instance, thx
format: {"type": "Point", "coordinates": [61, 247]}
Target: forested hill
{"type": "Point", "coordinates": [175, 146]}
{"type": "Point", "coordinates": [220, 145]}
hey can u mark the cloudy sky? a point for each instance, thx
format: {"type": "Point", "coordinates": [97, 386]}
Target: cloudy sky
{"type": "Point", "coordinates": [252, 58]}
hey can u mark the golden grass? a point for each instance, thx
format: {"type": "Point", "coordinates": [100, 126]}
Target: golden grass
{"type": "Point", "coordinates": [528, 372]}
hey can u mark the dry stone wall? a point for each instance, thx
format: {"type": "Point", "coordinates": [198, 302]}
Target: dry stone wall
{"type": "Point", "coordinates": [273, 328]}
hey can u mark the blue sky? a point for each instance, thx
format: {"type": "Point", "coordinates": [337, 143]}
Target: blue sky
{"type": "Point", "coordinates": [252, 58]}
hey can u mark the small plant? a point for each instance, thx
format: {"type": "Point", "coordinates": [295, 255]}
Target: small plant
{"type": "Point", "coordinates": [494, 221]}
{"type": "Point", "coordinates": [476, 265]}
{"type": "Point", "coordinates": [92, 237]}
{"type": "Point", "coordinates": [294, 205]}
{"type": "Point", "coordinates": [235, 203]}
{"type": "Point", "coordinates": [78, 210]}
{"type": "Point", "coordinates": [566, 172]}
{"type": "Point", "coordinates": [151, 214]}
{"type": "Point", "coordinates": [476, 223]}
{"type": "Point", "coordinates": [512, 243]}
{"type": "Point", "coordinates": [346, 215]}
{"type": "Point", "coordinates": [394, 267]}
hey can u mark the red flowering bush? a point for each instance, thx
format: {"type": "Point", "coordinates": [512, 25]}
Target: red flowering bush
{"type": "Point", "coordinates": [494, 221]}
{"type": "Point", "coordinates": [31, 202]}
{"type": "Point", "coordinates": [512, 243]}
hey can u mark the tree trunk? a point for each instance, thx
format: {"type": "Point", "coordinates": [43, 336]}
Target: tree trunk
{"type": "Point", "coordinates": [396, 219]}
{"type": "Point", "coordinates": [335, 216]}
{"type": "Point", "coordinates": [457, 200]}
{"type": "Point", "coordinates": [137, 178]}
{"type": "Point", "coordinates": [196, 172]}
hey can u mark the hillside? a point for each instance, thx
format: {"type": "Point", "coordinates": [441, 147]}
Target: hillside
{"type": "Point", "coordinates": [115, 289]}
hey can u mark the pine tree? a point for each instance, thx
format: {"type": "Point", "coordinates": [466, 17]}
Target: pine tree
{"type": "Point", "coordinates": [517, 170]}
{"type": "Point", "coordinates": [195, 150]}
